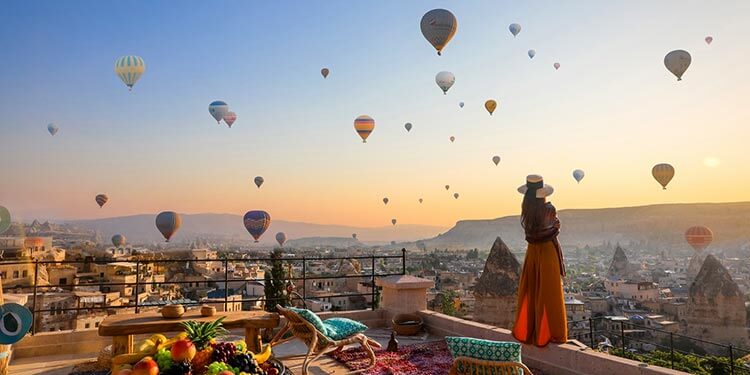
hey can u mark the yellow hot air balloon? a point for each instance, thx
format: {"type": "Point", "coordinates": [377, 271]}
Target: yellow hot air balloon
{"type": "Point", "coordinates": [491, 105]}
{"type": "Point", "coordinates": [130, 69]}
{"type": "Point", "coordinates": [364, 126]}
{"type": "Point", "coordinates": [663, 173]}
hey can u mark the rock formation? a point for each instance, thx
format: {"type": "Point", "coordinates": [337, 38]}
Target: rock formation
{"type": "Point", "coordinates": [715, 310]}
{"type": "Point", "coordinates": [621, 268]}
{"type": "Point", "coordinates": [497, 289]}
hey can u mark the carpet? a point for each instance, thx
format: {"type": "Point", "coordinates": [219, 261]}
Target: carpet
{"type": "Point", "coordinates": [430, 358]}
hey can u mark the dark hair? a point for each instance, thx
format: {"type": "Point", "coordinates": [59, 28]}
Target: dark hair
{"type": "Point", "coordinates": [532, 210]}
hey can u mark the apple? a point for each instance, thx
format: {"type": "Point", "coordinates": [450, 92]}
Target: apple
{"type": "Point", "coordinates": [124, 371]}
{"type": "Point", "coordinates": [146, 366]}
{"type": "Point", "coordinates": [183, 350]}
{"type": "Point", "coordinates": [225, 372]}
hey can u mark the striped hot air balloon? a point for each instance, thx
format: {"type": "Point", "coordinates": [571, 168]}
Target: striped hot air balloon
{"type": "Point", "coordinates": [218, 109]}
{"type": "Point", "coordinates": [699, 237]}
{"type": "Point", "coordinates": [130, 69]}
{"type": "Point", "coordinates": [364, 125]}
{"type": "Point", "coordinates": [256, 223]}
{"type": "Point", "coordinates": [168, 223]}
{"type": "Point", "coordinates": [101, 199]}
{"type": "Point", "coordinates": [663, 173]}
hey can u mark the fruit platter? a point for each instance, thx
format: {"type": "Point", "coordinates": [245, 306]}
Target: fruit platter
{"type": "Point", "coordinates": [198, 350]}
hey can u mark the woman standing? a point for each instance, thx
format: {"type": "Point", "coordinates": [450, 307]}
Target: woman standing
{"type": "Point", "coordinates": [540, 314]}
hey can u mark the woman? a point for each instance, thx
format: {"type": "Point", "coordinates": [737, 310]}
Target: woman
{"type": "Point", "coordinates": [540, 314]}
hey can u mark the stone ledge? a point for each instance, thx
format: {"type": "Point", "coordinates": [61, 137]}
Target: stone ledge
{"type": "Point", "coordinates": [400, 282]}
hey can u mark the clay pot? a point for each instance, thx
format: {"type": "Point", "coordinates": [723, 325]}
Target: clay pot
{"type": "Point", "coordinates": [172, 311]}
{"type": "Point", "coordinates": [208, 310]}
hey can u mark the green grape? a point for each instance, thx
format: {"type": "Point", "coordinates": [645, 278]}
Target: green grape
{"type": "Point", "coordinates": [217, 367]}
{"type": "Point", "coordinates": [163, 359]}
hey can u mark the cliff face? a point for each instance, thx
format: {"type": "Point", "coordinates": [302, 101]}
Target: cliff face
{"type": "Point", "coordinates": [496, 290]}
{"type": "Point", "coordinates": [620, 268]}
{"type": "Point", "coordinates": [716, 308]}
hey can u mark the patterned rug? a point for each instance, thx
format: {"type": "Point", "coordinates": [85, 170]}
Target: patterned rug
{"type": "Point", "coordinates": [430, 358]}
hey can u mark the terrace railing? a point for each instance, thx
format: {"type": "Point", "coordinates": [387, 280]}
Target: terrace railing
{"type": "Point", "coordinates": [144, 277]}
{"type": "Point", "coordinates": [657, 346]}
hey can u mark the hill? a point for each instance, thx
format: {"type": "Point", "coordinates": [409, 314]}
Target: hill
{"type": "Point", "coordinates": [656, 226]}
{"type": "Point", "coordinates": [140, 229]}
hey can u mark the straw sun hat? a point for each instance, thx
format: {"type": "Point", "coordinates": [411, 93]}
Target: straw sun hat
{"type": "Point", "coordinates": [535, 181]}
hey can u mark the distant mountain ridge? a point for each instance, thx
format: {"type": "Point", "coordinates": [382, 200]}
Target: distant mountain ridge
{"type": "Point", "coordinates": [140, 229]}
{"type": "Point", "coordinates": [660, 225]}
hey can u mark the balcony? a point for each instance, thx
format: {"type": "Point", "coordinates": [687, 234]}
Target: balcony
{"type": "Point", "coordinates": [400, 293]}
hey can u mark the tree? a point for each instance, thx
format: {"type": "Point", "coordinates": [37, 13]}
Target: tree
{"type": "Point", "coordinates": [448, 302]}
{"type": "Point", "coordinates": [275, 283]}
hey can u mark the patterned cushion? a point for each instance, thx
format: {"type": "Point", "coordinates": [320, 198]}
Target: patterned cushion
{"type": "Point", "coordinates": [311, 318]}
{"type": "Point", "coordinates": [341, 328]}
{"type": "Point", "coordinates": [484, 349]}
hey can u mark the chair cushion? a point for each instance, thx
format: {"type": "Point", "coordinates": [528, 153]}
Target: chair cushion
{"type": "Point", "coordinates": [341, 328]}
{"type": "Point", "coordinates": [311, 318]}
{"type": "Point", "coordinates": [484, 349]}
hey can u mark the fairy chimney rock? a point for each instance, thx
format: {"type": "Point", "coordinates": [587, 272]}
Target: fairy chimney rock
{"type": "Point", "coordinates": [620, 268]}
{"type": "Point", "coordinates": [496, 290]}
{"type": "Point", "coordinates": [716, 308]}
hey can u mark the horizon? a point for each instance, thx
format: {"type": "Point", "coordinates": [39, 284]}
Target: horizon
{"type": "Point", "coordinates": [612, 109]}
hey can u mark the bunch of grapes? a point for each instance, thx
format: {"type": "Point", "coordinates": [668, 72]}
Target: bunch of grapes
{"type": "Point", "coordinates": [272, 367]}
{"type": "Point", "coordinates": [246, 363]}
{"type": "Point", "coordinates": [163, 359]}
{"type": "Point", "coordinates": [223, 351]}
{"type": "Point", "coordinates": [179, 368]}
{"type": "Point", "coordinates": [217, 367]}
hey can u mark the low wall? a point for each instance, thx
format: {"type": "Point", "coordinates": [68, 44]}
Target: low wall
{"type": "Point", "coordinates": [89, 341]}
{"type": "Point", "coordinates": [572, 358]}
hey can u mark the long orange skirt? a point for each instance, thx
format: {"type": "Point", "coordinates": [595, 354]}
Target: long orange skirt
{"type": "Point", "coordinates": [540, 314]}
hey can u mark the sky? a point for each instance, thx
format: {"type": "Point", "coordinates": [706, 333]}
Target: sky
{"type": "Point", "coordinates": [612, 109]}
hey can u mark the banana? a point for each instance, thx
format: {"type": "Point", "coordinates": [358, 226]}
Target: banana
{"type": "Point", "coordinates": [130, 358]}
{"type": "Point", "coordinates": [144, 345]}
{"type": "Point", "coordinates": [264, 355]}
{"type": "Point", "coordinates": [168, 343]}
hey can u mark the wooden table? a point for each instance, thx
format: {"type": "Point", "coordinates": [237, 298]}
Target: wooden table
{"type": "Point", "coordinates": [122, 327]}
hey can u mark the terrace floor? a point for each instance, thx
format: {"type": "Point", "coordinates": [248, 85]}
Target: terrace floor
{"type": "Point", "coordinates": [291, 353]}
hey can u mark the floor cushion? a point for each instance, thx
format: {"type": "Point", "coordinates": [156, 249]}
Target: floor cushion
{"type": "Point", "coordinates": [341, 328]}
{"type": "Point", "coordinates": [484, 349]}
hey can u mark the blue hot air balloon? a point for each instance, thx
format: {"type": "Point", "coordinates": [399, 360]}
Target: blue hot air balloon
{"type": "Point", "coordinates": [218, 110]}
{"type": "Point", "coordinates": [256, 223]}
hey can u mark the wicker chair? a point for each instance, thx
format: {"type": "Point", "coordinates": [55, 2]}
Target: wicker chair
{"type": "Point", "coordinates": [317, 343]}
{"type": "Point", "coordinates": [471, 366]}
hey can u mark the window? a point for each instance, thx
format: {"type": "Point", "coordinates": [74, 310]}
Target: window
{"type": "Point", "coordinates": [4, 275]}
{"type": "Point", "coordinates": [88, 325]}
{"type": "Point", "coordinates": [15, 274]}
{"type": "Point", "coordinates": [96, 324]}
{"type": "Point", "coordinates": [63, 281]}
{"type": "Point", "coordinates": [25, 273]}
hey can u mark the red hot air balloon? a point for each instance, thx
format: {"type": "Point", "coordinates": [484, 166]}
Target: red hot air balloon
{"type": "Point", "coordinates": [699, 237]}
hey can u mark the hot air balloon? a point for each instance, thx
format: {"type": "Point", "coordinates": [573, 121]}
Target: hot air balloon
{"type": "Point", "coordinates": [4, 219]}
{"type": "Point", "coordinates": [663, 173]}
{"type": "Point", "coordinates": [447, 187]}
{"type": "Point", "coordinates": [556, 65]}
{"type": "Point", "coordinates": [218, 110]}
{"type": "Point", "coordinates": [455, 195]}
{"type": "Point", "coordinates": [445, 80]}
{"type": "Point", "coordinates": [532, 53]}
{"type": "Point", "coordinates": [461, 104]}
{"type": "Point", "coordinates": [129, 69]}
{"type": "Point", "coordinates": [258, 181]}
{"type": "Point", "coordinates": [578, 175]}
{"type": "Point", "coordinates": [438, 27]}
{"type": "Point", "coordinates": [385, 200]}
{"type": "Point", "coordinates": [230, 118]}
{"type": "Point", "coordinates": [101, 199]}
{"type": "Point", "coordinates": [709, 39]}
{"type": "Point", "coordinates": [490, 105]}
{"type": "Point", "coordinates": [168, 223]}
{"type": "Point", "coordinates": [496, 159]}
{"type": "Point", "coordinates": [354, 235]}
{"type": "Point", "coordinates": [393, 221]}
{"type": "Point", "coordinates": [256, 223]}
{"type": "Point", "coordinates": [281, 238]}
{"type": "Point", "coordinates": [52, 129]}
{"type": "Point", "coordinates": [677, 62]}
{"type": "Point", "coordinates": [453, 139]}
{"type": "Point", "coordinates": [118, 240]}
{"type": "Point", "coordinates": [420, 200]}
{"type": "Point", "coordinates": [699, 237]}
{"type": "Point", "coordinates": [408, 126]}
{"type": "Point", "coordinates": [364, 125]}
{"type": "Point", "coordinates": [514, 29]}
{"type": "Point", "coordinates": [324, 72]}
